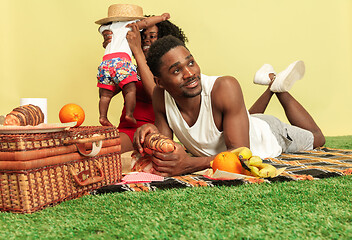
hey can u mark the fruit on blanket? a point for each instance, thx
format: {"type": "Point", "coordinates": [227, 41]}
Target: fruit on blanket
{"type": "Point", "coordinates": [259, 169]}
{"type": "Point", "coordinates": [25, 115]}
{"type": "Point", "coordinates": [227, 161]}
{"type": "Point", "coordinates": [245, 153]}
{"type": "Point", "coordinates": [255, 160]}
{"type": "Point", "coordinates": [159, 142]}
{"type": "Point", "coordinates": [237, 150]}
{"type": "Point", "coordinates": [254, 171]}
{"type": "Point", "coordinates": [266, 170]}
{"type": "Point", "coordinates": [253, 165]}
{"type": "Point", "coordinates": [72, 113]}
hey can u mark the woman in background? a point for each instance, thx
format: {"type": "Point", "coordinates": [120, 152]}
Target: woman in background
{"type": "Point", "coordinates": [139, 43]}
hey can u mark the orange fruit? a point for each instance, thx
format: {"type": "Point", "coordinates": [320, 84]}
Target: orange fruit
{"type": "Point", "coordinates": [72, 113]}
{"type": "Point", "coordinates": [227, 161]}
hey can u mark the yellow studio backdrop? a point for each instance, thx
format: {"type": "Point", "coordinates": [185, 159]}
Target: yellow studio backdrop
{"type": "Point", "coordinates": [51, 49]}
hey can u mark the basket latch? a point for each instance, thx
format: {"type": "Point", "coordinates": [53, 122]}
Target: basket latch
{"type": "Point", "coordinates": [97, 143]}
{"type": "Point", "coordinates": [83, 178]}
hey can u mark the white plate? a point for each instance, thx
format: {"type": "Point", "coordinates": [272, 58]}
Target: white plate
{"type": "Point", "coordinates": [41, 128]}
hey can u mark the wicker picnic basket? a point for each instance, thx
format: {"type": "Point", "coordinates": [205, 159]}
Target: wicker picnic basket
{"type": "Point", "coordinates": [42, 169]}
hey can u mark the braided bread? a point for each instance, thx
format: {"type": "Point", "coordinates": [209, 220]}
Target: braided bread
{"type": "Point", "coordinates": [158, 142]}
{"type": "Point", "coordinates": [25, 115]}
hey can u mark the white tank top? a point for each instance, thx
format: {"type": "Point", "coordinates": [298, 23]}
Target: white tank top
{"type": "Point", "coordinates": [204, 138]}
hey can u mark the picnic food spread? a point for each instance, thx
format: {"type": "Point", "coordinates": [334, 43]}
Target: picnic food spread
{"type": "Point", "coordinates": [84, 171]}
{"type": "Point", "coordinates": [25, 115]}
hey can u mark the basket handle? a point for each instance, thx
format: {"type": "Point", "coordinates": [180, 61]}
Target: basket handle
{"type": "Point", "coordinates": [90, 180]}
{"type": "Point", "coordinates": [96, 140]}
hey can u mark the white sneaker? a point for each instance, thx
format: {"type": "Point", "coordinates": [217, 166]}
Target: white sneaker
{"type": "Point", "coordinates": [262, 75]}
{"type": "Point", "coordinates": [285, 79]}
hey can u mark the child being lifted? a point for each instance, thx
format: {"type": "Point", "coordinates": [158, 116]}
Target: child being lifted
{"type": "Point", "coordinates": [116, 72]}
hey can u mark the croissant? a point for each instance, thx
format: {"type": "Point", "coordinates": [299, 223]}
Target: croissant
{"type": "Point", "coordinates": [25, 115]}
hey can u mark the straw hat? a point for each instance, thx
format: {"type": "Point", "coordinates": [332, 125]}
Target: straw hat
{"type": "Point", "coordinates": [122, 12]}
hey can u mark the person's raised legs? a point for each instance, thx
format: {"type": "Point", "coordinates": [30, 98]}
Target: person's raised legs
{"type": "Point", "coordinates": [283, 82]}
{"type": "Point", "coordinates": [279, 85]}
{"type": "Point", "coordinates": [262, 102]}
{"type": "Point", "coordinates": [298, 116]}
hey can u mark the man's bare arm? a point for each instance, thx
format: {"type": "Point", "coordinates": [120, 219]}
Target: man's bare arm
{"type": "Point", "coordinates": [230, 113]}
{"type": "Point", "coordinates": [160, 113]}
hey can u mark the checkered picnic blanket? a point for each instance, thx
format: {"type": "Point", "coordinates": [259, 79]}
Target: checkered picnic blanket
{"type": "Point", "coordinates": [305, 165]}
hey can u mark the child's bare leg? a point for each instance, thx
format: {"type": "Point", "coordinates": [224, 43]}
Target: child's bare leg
{"type": "Point", "coordinates": [105, 96]}
{"type": "Point", "coordinates": [117, 90]}
{"type": "Point", "coordinates": [129, 93]}
{"type": "Point", "coordinates": [262, 102]}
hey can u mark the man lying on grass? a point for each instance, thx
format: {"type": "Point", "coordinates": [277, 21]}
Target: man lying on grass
{"type": "Point", "coordinates": [208, 115]}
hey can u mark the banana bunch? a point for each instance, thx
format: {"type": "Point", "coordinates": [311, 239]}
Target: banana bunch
{"type": "Point", "coordinates": [254, 164]}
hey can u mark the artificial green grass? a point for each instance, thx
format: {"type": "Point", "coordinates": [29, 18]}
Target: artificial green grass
{"type": "Point", "coordinates": [343, 142]}
{"type": "Point", "coordinates": [290, 210]}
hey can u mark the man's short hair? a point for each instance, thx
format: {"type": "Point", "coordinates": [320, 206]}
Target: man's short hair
{"type": "Point", "coordinates": [158, 49]}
